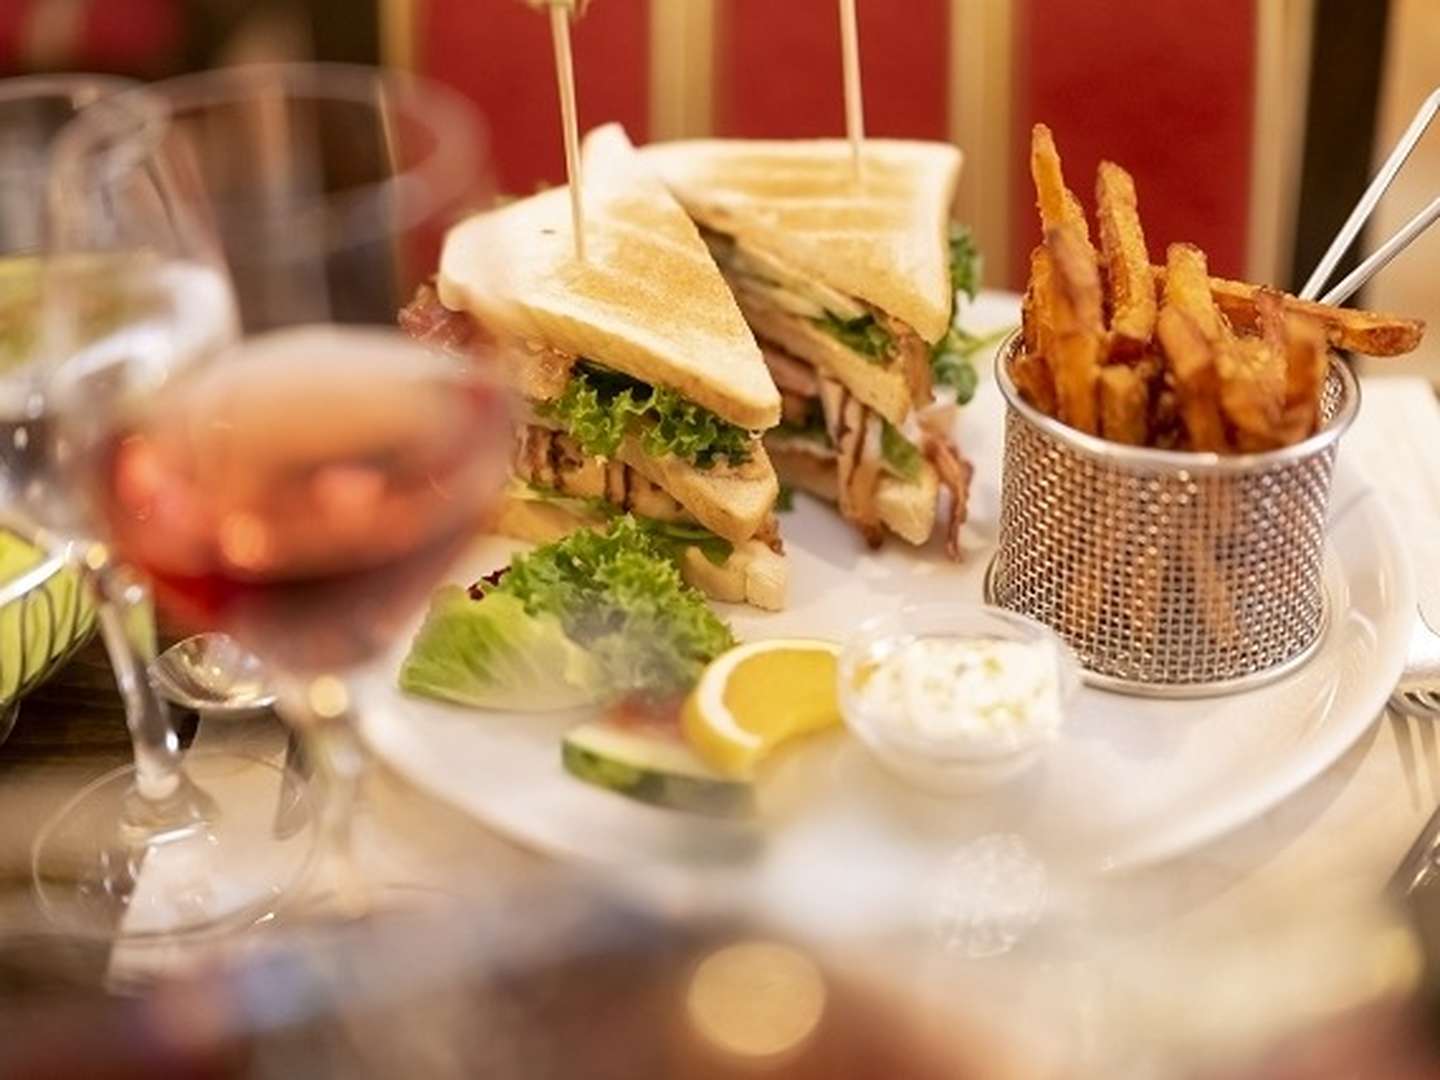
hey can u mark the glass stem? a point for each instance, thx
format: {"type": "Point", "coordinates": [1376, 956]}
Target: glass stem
{"type": "Point", "coordinates": [127, 625]}
{"type": "Point", "coordinates": [334, 745]}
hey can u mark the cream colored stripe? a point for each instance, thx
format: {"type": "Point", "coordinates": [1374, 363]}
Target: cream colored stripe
{"type": "Point", "coordinates": [399, 31]}
{"type": "Point", "coordinates": [982, 51]}
{"type": "Point", "coordinates": [682, 68]}
{"type": "Point", "coordinates": [1282, 78]}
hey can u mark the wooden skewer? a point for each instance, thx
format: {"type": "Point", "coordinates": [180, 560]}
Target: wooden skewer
{"type": "Point", "coordinates": [854, 98]}
{"type": "Point", "coordinates": [565, 77]}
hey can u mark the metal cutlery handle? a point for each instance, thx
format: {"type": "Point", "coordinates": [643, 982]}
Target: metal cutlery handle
{"type": "Point", "coordinates": [1415, 867]}
{"type": "Point", "coordinates": [1410, 231]}
{"type": "Point", "coordinates": [1366, 206]}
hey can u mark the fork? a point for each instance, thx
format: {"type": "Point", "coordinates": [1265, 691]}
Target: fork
{"type": "Point", "coordinates": [1417, 695]}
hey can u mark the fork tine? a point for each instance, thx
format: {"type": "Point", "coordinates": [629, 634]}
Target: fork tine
{"type": "Point", "coordinates": [1404, 702]}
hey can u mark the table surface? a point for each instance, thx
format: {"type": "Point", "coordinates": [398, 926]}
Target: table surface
{"type": "Point", "coordinates": [1339, 837]}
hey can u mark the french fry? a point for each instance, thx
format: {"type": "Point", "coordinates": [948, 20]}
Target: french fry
{"type": "Point", "coordinates": [1201, 363]}
{"type": "Point", "coordinates": [1031, 371]}
{"type": "Point", "coordinates": [1252, 392]}
{"type": "Point", "coordinates": [1366, 332]}
{"type": "Point", "coordinates": [1032, 311]}
{"type": "Point", "coordinates": [1189, 328]}
{"type": "Point", "coordinates": [1124, 405]}
{"type": "Point", "coordinates": [1077, 339]}
{"type": "Point", "coordinates": [1301, 359]}
{"type": "Point", "coordinates": [1307, 366]}
{"type": "Point", "coordinates": [1058, 204]}
{"type": "Point", "coordinates": [1127, 262]}
{"type": "Point", "coordinates": [1031, 374]}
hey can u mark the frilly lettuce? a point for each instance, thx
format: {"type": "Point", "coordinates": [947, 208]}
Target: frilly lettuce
{"type": "Point", "coordinates": [595, 615]}
{"type": "Point", "coordinates": [618, 594]}
{"type": "Point", "coordinates": [965, 261]}
{"type": "Point", "coordinates": [600, 406]}
{"type": "Point", "coordinates": [952, 361]}
{"type": "Point", "coordinates": [863, 335]}
{"type": "Point", "coordinates": [674, 536]}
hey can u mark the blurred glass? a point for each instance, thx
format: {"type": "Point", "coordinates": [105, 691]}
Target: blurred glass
{"type": "Point", "coordinates": [123, 298]}
{"type": "Point", "coordinates": [304, 489]}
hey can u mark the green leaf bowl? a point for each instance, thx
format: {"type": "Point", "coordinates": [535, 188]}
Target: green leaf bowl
{"type": "Point", "coordinates": [41, 628]}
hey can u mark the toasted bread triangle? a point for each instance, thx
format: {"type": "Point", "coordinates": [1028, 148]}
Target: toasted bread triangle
{"type": "Point", "coordinates": [883, 241]}
{"type": "Point", "coordinates": [647, 301]}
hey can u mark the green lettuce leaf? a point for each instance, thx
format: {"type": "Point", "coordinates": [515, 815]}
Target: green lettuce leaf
{"type": "Point", "coordinates": [679, 535]}
{"type": "Point", "coordinates": [863, 335]}
{"type": "Point", "coordinates": [600, 406]}
{"type": "Point", "coordinates": [620, 595]}
{"type": "Point", "coordinates": [494, 654]}
{"type": "Point", "coordinates": [900, 454]}
{"type": "Point", "coordinates": [952, 361]}
{"type": "Point", "coordinates": [966, 263]}
{"type": "Point", "coordinates": [676, 536]}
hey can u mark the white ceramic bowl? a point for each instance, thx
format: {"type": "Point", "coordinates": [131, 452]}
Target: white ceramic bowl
{"type": "Point", "coordinates": [949, 765]}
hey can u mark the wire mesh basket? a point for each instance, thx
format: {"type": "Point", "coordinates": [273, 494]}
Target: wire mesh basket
{"type": "Point", "coordinates": [1171, 574]}
{"type": "Point", "coordinates": [40, 628]}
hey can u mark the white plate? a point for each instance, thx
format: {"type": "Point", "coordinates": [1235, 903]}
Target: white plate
{"type": "Point", "coordinates": [1130, 781]}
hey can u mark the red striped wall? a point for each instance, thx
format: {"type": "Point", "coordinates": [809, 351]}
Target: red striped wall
{"type": "Point", "coordinates": [134, 37]}
{"type": "Point", "coordinates": [778, 69]}
{"type": "Point", "coordinates": [1164, 88]}
{"type": "Point", "coordinates": [498, 52]}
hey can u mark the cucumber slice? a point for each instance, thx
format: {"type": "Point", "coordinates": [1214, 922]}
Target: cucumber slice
{"type": "Point", "coordinates": [652, 769]}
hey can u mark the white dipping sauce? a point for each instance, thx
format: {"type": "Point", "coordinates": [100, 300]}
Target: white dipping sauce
{"type": "Point", "coordinates": [987, 693]}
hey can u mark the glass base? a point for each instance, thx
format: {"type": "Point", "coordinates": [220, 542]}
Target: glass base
{"type": "Point", "coordinates": [218, 853]}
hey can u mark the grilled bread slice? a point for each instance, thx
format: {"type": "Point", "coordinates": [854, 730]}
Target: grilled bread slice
{"type": "Point", "coordinates": [647, 300]}
{"type": "Point", "coordinates": [882, 241]}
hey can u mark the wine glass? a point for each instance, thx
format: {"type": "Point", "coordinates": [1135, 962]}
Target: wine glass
{"type": "Point", "coordinates": [304, 489]}
{"type": "Point", "coordinates": [88, 857]}
{"type": "Point", "coordinates": [32, 112]}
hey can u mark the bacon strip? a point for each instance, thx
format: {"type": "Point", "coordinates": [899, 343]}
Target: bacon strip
{"type": "Point", "coordinates": [431, 323]}
{"type": "Point", "coordinates": [913, 355]}
{"type": "Point", "coordinates": [955, 473]}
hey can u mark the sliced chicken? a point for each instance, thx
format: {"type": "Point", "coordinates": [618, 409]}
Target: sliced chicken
{"type": "Point", "coordinates": [795, 409]}
{"type": "Point", "coordinates": [652, 501]}
{"type": "Point", "coordinates": [790, 375]}
{"type": "Point", "coordinates": [538, 371]}
{"type": "Point", "coordinates": [860, 464]}
{"type": "Point", "coordinates": [553, 460]}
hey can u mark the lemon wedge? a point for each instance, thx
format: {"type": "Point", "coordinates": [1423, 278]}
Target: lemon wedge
{"type": "Point", "coordinates": [755, 697]}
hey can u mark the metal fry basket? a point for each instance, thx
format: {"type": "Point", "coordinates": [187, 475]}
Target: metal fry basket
{"type": "Point", "coordinates": [1171, 574]}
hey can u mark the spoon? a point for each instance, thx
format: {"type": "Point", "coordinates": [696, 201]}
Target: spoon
{"type": "Point", "coordinates": [211, 673]}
